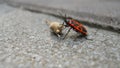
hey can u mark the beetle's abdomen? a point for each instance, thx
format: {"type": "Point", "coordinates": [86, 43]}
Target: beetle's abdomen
{"type": "Point", "coordinates": [78, 27]}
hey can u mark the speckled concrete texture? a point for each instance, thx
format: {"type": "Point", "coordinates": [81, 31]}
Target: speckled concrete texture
{"type": "Point", "coordinates": [97, 13]}
{"type": "Point", "coordinates": [26, 42]}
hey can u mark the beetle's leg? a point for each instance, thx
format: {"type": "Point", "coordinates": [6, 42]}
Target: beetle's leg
{"type": "Point", "coordinates": [67, 33]}
{"type": "Point", "coordinates": [58, 35]}
{"type": "Point", "coordinates": [88, 38]}
{"type": "Point", "coordinates": [65, 25]}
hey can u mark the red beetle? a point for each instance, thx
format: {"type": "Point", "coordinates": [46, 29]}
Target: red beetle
{"type": "Point", "coordinates": [75, 25]}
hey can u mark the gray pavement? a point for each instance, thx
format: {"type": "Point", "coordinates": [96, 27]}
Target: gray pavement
{"type": "Point", "coordinates": [100, 7]}
{"type": "Point", "coordinates": [26, 42]}
{"type": "Point", "coordinates": [5, 9]}
{"type": "Point", "coordinates": [100, 13]}
{"type": "Point", "coordinates": [1, 1]}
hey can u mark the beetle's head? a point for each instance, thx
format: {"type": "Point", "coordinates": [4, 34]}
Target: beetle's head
{"type": "Point", "coordinates": [64, 17]}
{"type": "Point", "coordinates": [67, 19]}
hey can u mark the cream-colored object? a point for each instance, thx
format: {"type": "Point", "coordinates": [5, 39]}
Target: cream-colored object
{"type": "Point", "coordinates": [55, 27]}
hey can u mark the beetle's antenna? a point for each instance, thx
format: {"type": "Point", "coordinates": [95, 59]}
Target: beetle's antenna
{"type": "Point", "coordinates": [67, 33]}
{"type": "Point", "coordinates": [63, 23]}
{"type": "Point", "coordinates": [65, 16]}
{"type": "Point", "coordinates": [60, 14]}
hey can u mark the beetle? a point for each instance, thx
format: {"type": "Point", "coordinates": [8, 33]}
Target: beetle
{"type": "Point", "coordinates": [75, 25]}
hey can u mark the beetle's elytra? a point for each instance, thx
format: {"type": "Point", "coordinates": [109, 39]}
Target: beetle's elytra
{"type": "Point", "coordinates": [75, 25]}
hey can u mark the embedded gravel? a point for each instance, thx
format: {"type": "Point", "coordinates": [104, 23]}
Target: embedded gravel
{"type": "Point", "coordinates": [26, 42]}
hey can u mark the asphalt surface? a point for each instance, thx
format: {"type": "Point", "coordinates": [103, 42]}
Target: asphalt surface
{"type": "Point", "coordinates": [26, 42]}
{"type": "Point", "coordinates": [1, 1]}
{"type": "Point", "coordinates": [101, 13]}
{"type": "Point", "coordinates": [100, 7]}
{"type": "Point", "coordinates": [5, 9]}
